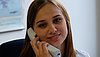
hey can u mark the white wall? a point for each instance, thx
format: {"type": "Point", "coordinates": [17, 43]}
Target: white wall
{"type": "Point", "coordinates": [83, 20]}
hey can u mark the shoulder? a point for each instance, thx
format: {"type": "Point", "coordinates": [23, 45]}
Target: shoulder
{"type": "Point", "coordinates": [81, 53]}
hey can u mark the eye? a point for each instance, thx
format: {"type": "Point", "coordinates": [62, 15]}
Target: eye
{"type": "Point", "coordinates": [57, 20]}
{"type": "Point", "coordinates": [42, 25]}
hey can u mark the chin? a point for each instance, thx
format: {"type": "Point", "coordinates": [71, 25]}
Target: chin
{"type": "Point", "coordinates": [57, 45]}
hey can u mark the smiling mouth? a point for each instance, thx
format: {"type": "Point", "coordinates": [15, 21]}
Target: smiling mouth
{"type": "Point", "coordinates": [54, 38]}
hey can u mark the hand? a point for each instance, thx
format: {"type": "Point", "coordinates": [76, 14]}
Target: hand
{"type": "Point", "coordinates": [40, 48]}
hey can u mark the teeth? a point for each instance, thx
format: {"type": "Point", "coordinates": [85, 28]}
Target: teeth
{"type": "Point", "coordinates": [58, 33]}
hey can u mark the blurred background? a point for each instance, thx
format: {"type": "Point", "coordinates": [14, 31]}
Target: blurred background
{"type": "Point", "coordinates": [85, 23]}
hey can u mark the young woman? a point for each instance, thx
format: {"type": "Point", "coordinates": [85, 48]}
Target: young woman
{"type": "Point", "coordinates": [51, 23]}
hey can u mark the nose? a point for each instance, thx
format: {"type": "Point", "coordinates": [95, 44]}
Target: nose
{"type": "Point", "coordinates": [52, 29]}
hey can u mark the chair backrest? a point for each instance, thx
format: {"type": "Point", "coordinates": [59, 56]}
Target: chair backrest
{"type": "Point", "coordinates": [11, 48]}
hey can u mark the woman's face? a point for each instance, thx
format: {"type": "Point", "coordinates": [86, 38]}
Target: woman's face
{"type": "Point", "coordinates": [50, 25]}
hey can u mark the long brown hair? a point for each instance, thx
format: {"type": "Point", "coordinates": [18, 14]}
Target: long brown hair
{"type": "Point", "coordinates": [35, 6]}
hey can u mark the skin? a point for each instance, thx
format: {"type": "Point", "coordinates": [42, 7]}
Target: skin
{"type": "Point", "coordinates": [50, 27]}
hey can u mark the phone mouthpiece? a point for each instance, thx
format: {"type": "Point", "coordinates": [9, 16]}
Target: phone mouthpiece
{"type": "Point", "coordinates": [55, 52]}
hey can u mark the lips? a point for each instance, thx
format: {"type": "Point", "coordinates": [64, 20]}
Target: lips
{"type": "Point", "coordinates": [54, 38]}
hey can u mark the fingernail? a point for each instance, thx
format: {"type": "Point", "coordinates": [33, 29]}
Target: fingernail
{"type": "Point", "coordinates": [47, 44]}
{"type": "Point", "coordinates": [38, 42]}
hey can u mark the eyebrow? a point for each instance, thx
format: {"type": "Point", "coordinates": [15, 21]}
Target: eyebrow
{"type": "Point", "coordinates": [44, 20]}
{"type": "Point", "coordinates": [55, 16]}
{"type": "Point", "coordinates": [40, 21]}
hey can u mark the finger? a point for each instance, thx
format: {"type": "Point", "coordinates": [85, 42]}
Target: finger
{"type": "Point", "coordinates": [40, 46]}
{"type": "Point", "coordinates": [34, 44]}
{"type": "Point", "coordinates": [35, 40]}
{"type": "Point", "coordinates": [34, 47]}
{"type": "Point", "coordinates": [45, 45]}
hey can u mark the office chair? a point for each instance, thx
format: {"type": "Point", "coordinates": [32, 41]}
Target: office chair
{"type": "Point", "coordinates": [11, 48]}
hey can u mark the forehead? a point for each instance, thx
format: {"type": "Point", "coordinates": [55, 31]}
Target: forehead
{"type": "Point", "coordinates": [48, 11]}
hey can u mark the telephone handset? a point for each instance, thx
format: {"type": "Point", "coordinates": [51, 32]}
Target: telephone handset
{"type": "Point", "coordinates": [53, 50]}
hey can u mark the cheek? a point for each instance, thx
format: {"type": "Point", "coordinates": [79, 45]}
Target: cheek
{"type": "Point", "coordinates": [41, 33]}
{"type": "Point", "coordinates": [64, 30]}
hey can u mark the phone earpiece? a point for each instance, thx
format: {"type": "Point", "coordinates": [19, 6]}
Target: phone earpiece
{"type": "Point", "coordinates": [31, 33]}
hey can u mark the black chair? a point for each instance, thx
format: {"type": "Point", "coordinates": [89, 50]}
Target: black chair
{"type": "Point", "coordinates": [11, 48]}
